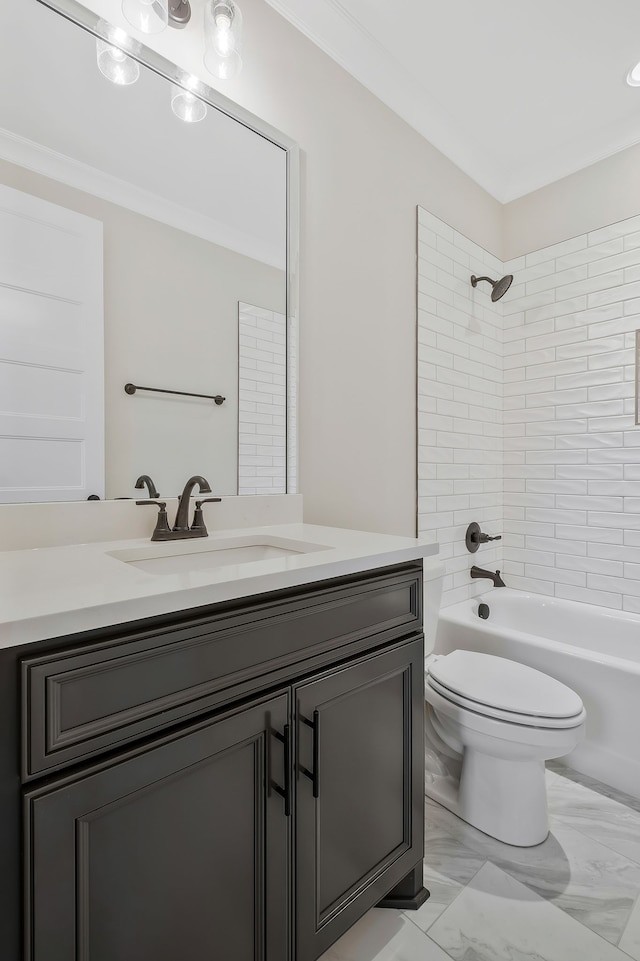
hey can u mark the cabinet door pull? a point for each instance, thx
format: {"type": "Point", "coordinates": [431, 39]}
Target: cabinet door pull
{"type": "Point", "coordinates": [285, 792]}
{"type": "Point", "coordinates": [314, 775]}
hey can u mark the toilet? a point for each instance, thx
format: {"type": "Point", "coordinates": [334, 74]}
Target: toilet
{"type": "Point", "coordinates": [490, 725]}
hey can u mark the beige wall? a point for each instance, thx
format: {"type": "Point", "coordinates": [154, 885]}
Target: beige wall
{"type": "Point", "coordinates": [602, 194]}
{"type": "Point", "coordinates": [171, 320]}
{"type": "Point", "coordinates": [363, 172]}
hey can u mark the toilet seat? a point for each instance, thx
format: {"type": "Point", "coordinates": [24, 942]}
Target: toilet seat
{"type": "Point", "coordinates": [510, 717]}
{"type": "Point", "coordinates": [505, 690]}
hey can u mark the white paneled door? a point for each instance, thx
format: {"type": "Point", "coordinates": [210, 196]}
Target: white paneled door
{"type": "Point", "coordinates": [51, 352]}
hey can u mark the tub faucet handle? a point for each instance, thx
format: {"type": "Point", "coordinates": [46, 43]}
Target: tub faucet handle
{"type": "Point", "coordinates": [475, 537]}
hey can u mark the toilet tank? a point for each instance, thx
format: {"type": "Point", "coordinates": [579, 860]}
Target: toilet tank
{"type": "Point", "coordinates": [433, 577]}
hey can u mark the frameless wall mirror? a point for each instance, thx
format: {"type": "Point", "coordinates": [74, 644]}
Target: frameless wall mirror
{"type": "Point", "coordinates": [148, 247]}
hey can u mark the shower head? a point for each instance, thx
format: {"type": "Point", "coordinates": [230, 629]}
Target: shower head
{"type": "Point", "coordinates": [500, 287]}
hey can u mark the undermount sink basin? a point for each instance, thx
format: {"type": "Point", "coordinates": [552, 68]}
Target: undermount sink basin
{"type": "Point", "coordinates": [184, 557]}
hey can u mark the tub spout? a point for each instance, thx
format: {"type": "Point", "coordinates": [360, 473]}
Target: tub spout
{"type": "Point", "coordinates": [491, 575]}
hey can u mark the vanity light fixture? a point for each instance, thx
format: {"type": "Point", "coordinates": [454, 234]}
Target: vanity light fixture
{"type": "Point", "coordinates": [223, 38]}
{"type": "Point", "coordinates": [185, 103]}
{"type": "Point", "coordinates": [154, 16]}
{"type": "Point", "coordinates": [113, 62]}
{"type": "Point", "coordinates": [633, 77]}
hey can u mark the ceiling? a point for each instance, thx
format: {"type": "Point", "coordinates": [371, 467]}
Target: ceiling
{"type": "Point", "coordinates": [516, 94]}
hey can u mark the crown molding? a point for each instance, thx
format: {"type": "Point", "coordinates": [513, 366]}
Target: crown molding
{"type": "Point", "coordinates": [57, 166]}
{"type": "Point", "coordinates": [330, 26]}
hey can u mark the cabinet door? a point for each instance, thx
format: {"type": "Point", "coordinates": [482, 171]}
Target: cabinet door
{"type": "Point", "coordinates": [179, 853]}
{"type": "Point", "coordinates": [359, 791]}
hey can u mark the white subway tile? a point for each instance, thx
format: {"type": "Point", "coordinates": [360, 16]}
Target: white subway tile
{"type": "Point", "coordinates": [614, 293]}
{"type": "Point", "coordinates": [623, 585]}
{"type": "Point", "coordinates": [577, 578]}
{"type": "Point", "coordinates": [617, 521]}
{"type": "Point", "coordinates": [560, 338]}
{"type": "Point", "coordinates": [557, 309]}
{"type": "Point", "coordinates": [558, 279]}
{"type": "Point", "coordinates": [530, 584]}
{"type": "Point", "coordinates": [557, 368]}
{"type": "Point", "coordinates": [558, 250]}
{"type": "Point", "coordinates": [591, 503]}
{"type": "Point", "coordinates": [606, 265]}
{"type": "Point", "coordinates": [590, 565]}
{"type": "Point", "coordinates": [588, 254]}
{"type": "Point", "coordinates": [584, 348]}
{"type": "Point", "coordinates": [589, 596]}
{"type": "Point", "coordinates": [556, 545]}
{"type": "Point", "coordinates": [601, 535]}
{"type": "Point", "coordinates": [594, 440]}
{"type": "Point", "coordinates": [433, 224]}
{"type": "Point", "coordinates": [614, 455]}
{"type": "Point", "coordinates": [519, 555]}
{"type": "Point", "coordinates": [620, 229]}
{"type": "Point", "coordinates": [614, 552]}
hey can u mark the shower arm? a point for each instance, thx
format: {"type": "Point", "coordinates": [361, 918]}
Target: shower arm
{"type": "Point", "coordinates": [476, 280]}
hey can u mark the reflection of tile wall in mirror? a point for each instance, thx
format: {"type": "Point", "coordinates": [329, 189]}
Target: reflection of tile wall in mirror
{"type": "Point", "coordinates": [194, 221]}
{"type": "Point", "coordinates": [262, 402]}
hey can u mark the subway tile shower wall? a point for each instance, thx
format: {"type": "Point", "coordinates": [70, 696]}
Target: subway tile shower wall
{"type": "Point", "coordinates": [570, 459]}
{"type": "Point", "coordinates": [460, 402]}
{"type": "Point", "coordinates": [262, 403]}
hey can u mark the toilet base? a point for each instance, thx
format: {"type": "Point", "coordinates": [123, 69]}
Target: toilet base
{"type": "Point", "coordinates": [505, 799]}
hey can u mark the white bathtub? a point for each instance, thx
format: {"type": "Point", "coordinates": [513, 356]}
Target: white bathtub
{"type": "Point", "coordinates": [594, 650]}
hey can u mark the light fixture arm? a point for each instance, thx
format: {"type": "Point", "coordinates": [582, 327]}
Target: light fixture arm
{"type": "Point", "coordinates": [179, 13]}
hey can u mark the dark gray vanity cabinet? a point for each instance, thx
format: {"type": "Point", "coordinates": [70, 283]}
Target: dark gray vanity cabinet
{"type": "Point", "coordinates": [239, 782]}
{"type": "Point", "coordinates": [178, 852]}
{"type": "Point", "coordinates": [358, 791]}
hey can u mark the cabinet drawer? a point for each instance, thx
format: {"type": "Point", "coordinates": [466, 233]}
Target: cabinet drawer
{"type": "Point", "coordinates": [81, 702]}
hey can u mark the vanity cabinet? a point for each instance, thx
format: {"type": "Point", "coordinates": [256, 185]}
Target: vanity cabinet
{"type": "Point", "coordinates": [222, 811]}
{"type": "Point", "coordinates": [358, 754]}
{"type": "Point", "coordinates": [180, 851]}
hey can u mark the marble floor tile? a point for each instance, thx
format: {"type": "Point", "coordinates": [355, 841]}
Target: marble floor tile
{"type": "Point", "coordinates": [496, 918]}
{"type": "Point", "coordinates": [598, 787]}
{"type": "Point", "coordinates": [442, 892]}
{"type": "Point", "coordinates": [588, 880]}
{"type": "Point", "coordinates": [384, 935]}
{"type": "Point", "coordinates": [601, 818]}
{"type": "Point", "coordinates": [447, 855]}
{"type": "Point", "coordinates": [630, 940]}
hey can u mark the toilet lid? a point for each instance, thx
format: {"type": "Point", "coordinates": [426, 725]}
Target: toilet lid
{"type": "Point", "coordinates": [504, 685]}
{"type": "Point", "coordinates": [522, 720]}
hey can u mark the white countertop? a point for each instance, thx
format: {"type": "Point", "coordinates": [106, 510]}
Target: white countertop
{"type": "Point", "coordinates": [56, 591]}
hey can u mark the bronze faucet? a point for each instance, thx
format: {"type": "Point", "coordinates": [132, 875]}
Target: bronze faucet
{"type": "Point", "coordinates": [181, 529]}
{"type": "Point", "coordinates": [491, 575]}
{"type": "Point", "coordinates": [145, 481]}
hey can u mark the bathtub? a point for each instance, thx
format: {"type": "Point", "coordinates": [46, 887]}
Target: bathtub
{"type": "Point", "coordinates": [594, 650]}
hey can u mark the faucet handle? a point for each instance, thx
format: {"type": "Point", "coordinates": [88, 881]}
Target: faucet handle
{"type": "Point", "coordinates": [162, 524]}
{"type": "Point", "coordinates": [199, 525]}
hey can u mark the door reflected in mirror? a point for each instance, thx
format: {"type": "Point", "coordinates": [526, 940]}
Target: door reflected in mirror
{"type": "Point", "coordinates": [135, 248]}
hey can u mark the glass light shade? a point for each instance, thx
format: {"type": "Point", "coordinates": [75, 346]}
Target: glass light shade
{"type": "Point", "coordinates": [633, 77]}
{"type": "Point", "coordinates": [115, 65]}
{"type": "Point", "coordinates": [147, 16]}
{"type": "Point", "coordinates": [223, 67]}
{"type": "Point", "coordinates": [186, 105]}
{"type": "Point", "coordinates": [223, 38]}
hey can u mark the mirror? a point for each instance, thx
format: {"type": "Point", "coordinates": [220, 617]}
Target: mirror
{"type": "Point", "coordinates": [147, 314]}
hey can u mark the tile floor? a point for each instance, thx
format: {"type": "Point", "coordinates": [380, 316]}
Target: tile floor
{"type": "Point", "coordinates": [574, 898]}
